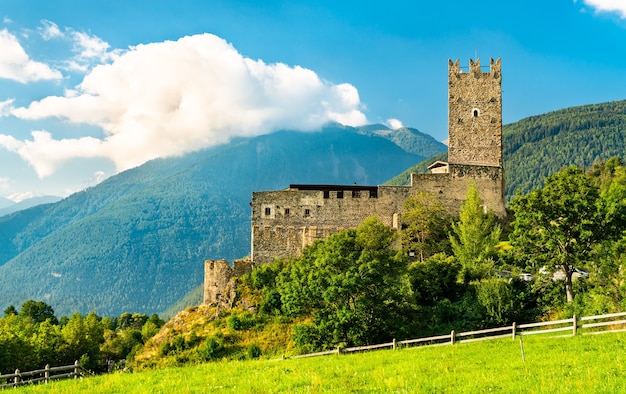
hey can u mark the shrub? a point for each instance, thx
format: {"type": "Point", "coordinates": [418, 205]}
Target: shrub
{"type": "Point", "coordinates": [254, 351]}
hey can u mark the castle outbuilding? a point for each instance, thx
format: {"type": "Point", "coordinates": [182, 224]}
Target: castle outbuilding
{"type": "Point", "coordinates": [286, 221]}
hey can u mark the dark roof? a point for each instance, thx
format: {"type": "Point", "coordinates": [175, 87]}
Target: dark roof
{"type": "Point", "coordinates": [333, 187]}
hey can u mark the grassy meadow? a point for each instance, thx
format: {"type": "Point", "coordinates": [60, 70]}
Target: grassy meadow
{"type": "Point", "coordinates": [593, 363]}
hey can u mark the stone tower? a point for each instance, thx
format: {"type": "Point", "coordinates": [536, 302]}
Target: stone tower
{"type": "Point", "coordinates": [475, 114]}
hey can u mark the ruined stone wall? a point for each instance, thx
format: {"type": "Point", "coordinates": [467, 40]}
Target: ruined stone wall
{"type": "Point", "coordinates": [284, 222]}
{"type": "Point", "coordinates": [475, 114]}
{"type": "Point", "coordinates": [217, 275]}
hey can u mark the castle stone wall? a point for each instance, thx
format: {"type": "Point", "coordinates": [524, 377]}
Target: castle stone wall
{"type": "Point", "coordinates": [284, 222]}
{"type": "Point", "coordinates": [451, 187]}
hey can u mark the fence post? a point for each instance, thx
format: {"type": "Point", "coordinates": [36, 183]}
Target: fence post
{"type": "Point", "coordinates": [574, 325]}
{"type": "Point", "coordinates": [452, 337]}
{"type": "Point", "coordinates": [394, 344]}
{"type": "Point", "coordinates": [513, 329]}
{"type": "Point", "coordinates": [75, 369]}
{"type": "Point", "coordinates": [16, 379]}
{"type": "Point", "coordinates": [47, 373]}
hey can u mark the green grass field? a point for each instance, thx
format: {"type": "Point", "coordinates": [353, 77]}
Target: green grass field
{"type": "Point", "coordinates": [582, 364]}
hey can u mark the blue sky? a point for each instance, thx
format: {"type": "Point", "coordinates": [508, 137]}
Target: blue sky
{"type": "Point", "coordinates": [91, 88]}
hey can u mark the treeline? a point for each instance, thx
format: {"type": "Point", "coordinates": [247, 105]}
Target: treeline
{"type": "Point", "coordinates": [33, 337]}
{"type": "Point", "coordinates": [539, 146]}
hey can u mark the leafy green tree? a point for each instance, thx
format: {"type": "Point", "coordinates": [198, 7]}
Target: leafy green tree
{"type": "Point", "coordinates": [351, 284]}
{"type": "Point", "coordinates": [434, 280]}
{"type": "Point", "coordinates": [10, 311]}
{"type": "Point", "coordinates": [83, 337]}
{"type": "Point", "coordinates": [39, 311]}
{"type": "Point", "coordinates": [495, 295]}
{"type": "Point", "coordinates": [474, 237]}
{"type": "Point", "coordinates": [424, 225]}
{"type": "Point", "coordinates": [559, 225]}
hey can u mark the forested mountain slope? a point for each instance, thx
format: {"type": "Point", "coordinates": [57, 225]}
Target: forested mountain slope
{"type": "Point", "coordinates": [137, 241]}
{"type": "Point", "coordinates": [541, 145]}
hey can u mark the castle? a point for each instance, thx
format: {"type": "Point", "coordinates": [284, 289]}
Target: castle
{"type": "Point", "coordinates": [286, 221]}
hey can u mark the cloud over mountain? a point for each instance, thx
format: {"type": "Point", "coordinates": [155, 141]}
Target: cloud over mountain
{"type": "Point", "coordinates": [172, 97]}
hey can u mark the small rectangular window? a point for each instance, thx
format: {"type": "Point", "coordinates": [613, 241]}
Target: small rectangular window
{"type": "Point", "coordinates": [307, 212]}
{"type": "Point", "coordinates": [340, 194]}
{"type": "Point", "coordinates": [286, 211]}
{"type": "Point", "coordinates": [268, 211]}
{"type": "Point", "coordinates": [373, 193]}
{"type": "Point", "coordinates": [326, 194]}
{"type": "Point", "coordinates": [356, 194]}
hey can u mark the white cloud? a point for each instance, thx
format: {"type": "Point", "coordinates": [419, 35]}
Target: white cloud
{"type": "Point", "coordinates": [45, 155]}
{"type": "Point", "coordinates": [91, 47]}
{"type": "Point", "coordinates": [16, 65]}
{"type": "Point", "coordinates": [17, 197]}
{"type": "Point", "coordinates": [617, 6]}
{"type": "Point", "coordinates": [394, 123]}
{"type": "Point", "coordinates": [173, 97]}
{"type": "Point", "coordinates": [50, 30]}
{"type": "Point", "coordinates": [6, 107]}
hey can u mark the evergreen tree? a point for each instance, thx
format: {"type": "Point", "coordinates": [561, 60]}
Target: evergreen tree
{"type": "Point", "coordinates": [474, 237]}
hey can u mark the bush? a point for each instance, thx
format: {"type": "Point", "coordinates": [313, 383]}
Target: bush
{"type": "Point", "coordinates": [234, 323]}
{"type": "Point", "coordinates": [307, 337]}
{"type": "Point", "coordinates": [213, 348]}
{"type": "Point", "coordinates": [254, 351]}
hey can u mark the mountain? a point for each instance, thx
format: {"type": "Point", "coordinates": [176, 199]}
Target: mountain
{"type": "Point", "coordinates": [137, 241]}
{"type": "Point", "coordinates": [409, 139]}
{"type": "Point", "coordinates": [28, 203]}
{"type": "Point", "coordinates": [541, 145]}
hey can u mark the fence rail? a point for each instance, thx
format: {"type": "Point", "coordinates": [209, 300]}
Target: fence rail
{"type": "Point", "coordinates": [40, 375]}
{"type": "Point", "coordinates": [571, 326]}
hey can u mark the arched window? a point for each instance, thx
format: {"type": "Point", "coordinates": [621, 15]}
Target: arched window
{"type": "Point", "coordinates": [475, 112]}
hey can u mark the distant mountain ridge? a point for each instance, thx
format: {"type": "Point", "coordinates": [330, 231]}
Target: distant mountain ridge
{"type": "Point", "coordinates": [407, 138]}
{"type": "Point", "coordinates": [137, 241]}
{"type": "Point", "coordinates": [11, 207]}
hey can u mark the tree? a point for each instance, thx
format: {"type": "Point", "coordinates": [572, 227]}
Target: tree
{"type": "Point", "coordinates": [424, 225]}
{"type": "Point", "coordinates": [474, 237]}
{"type": "Point", "coordinates": [558, 225]}
{"type": "Point", "coordinates": [10, 311]}
{"type": "Point", "coordinates": [434, 279]}
{"type": "Point", "coordinates": [350, 283]}
{"type": "Point", "coordinates": [39, 311]}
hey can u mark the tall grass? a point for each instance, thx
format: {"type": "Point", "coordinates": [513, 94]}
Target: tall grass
{"type": "Point", "coordinates": [595, 363]}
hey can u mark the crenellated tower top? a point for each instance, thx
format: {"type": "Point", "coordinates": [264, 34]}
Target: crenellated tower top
{"type": "Point", "coordinates": [475, 114]}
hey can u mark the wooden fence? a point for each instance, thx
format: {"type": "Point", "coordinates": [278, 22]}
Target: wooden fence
{"type": "Point", "coordinates": [596, 325]}
{"type": "Point", "coordinates": [40, 375]}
